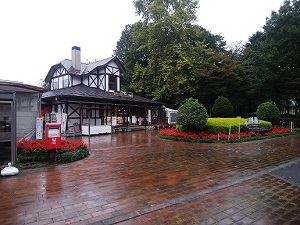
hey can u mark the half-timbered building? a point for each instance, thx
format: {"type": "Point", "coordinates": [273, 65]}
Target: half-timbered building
{"type": "Point", "coordinates": [89, 97]}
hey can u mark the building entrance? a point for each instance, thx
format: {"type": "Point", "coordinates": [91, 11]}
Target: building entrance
{"type": "Point", "coordinates": [5, 132]}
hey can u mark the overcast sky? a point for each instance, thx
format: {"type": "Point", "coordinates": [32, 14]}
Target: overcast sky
{"type": "Point", "coordinates": [37, 34]}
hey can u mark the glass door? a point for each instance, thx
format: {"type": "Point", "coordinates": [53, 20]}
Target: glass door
{"type": "Point", "coordinates": [5, 132]}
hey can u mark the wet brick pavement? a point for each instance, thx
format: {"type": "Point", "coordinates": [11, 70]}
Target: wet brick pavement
{"type": "Point", "coordinates": [290, 174]}
{"type": "Point", "coordinates": [137, 178]}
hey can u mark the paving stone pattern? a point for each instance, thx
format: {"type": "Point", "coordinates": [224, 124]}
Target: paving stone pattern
{"type": "Point", "coordinates": [137, 178]}
{"type": "Point", "coordinates": [290, 174]}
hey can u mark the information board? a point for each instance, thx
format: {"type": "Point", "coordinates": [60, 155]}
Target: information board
{"type": "Point", "coordinates": [39, 128]}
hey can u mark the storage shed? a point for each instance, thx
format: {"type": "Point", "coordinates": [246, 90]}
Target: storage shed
{"type": "Point", "coordinates": [19, 107]}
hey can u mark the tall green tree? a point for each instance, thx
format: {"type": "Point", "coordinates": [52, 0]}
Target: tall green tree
{"type": "Point", "coordinates": [272, 59]}
{"type": "Point", "coordinates": [132, 50]}
{"type": "Point", "coordinates": [170, 59]}
{"type": "Point", "coordinates": [153, 11]}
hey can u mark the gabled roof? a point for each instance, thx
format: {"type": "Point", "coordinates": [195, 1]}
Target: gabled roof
{"type": "Point", "coordinates": [86, 68]}
{"type": "Point", "coordinates": [14, 86]}
{"type": "Point", "coordinates": [81, 92]}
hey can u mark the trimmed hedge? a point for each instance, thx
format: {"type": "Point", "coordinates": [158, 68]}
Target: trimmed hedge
{"type": "Point", "coordinates": [221, 125]}
{"type": "Point", "coordinates": [268, 111]}
{"type": "Point", "coordinates": [222, 108]}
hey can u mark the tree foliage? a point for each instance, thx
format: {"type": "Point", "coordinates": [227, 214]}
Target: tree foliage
{"type": "Point", "coordinates": [272, 59]}
{"type": "Point", "coordinates": [169, 58]}
{"type": "Point", "coordinates": [222, 108]}
{"type": "Point", "coordinates": [192, 115]}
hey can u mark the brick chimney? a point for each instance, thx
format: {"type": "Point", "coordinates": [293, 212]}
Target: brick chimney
{"type": "Point", "coordinates": [76, 61]}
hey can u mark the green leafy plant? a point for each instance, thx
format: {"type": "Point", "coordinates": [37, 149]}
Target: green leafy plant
{"type": "Point", "coordinates": [222, 108]}
{"type": "Point", "coordinates": [268, 111]}
{"type": "Point", "coordinates": [66, 157]}
{"type": "Point", "coordinates": [192, 116]}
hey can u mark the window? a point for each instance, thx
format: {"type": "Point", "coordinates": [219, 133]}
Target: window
{"type": "Point", "coordinates": [66, 81]}
{"type": "Point", "coordinates": [112, 83]}
{"type": "Point", "coordinates": [172, 117]}
{"type": "Point", "coordinates": [292, 110]}
{"type": "Point", "coordinates": [55, 84]}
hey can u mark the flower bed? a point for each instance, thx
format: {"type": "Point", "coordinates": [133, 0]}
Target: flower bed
{"type": "Point", "coordinates": [34, 150]}
{"type": "Point", "coordinates": [173, 134]}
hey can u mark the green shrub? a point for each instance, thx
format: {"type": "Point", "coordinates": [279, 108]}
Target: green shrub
{"type": "Point", "coordinates": [23, 156]}
{"type": "Point", "coordinates": [221, 125]}
{"type": "Point", "coordinates": [181, 128]}
{"type": "Point", "coordinates": [265, 123]}
{"type": "Point", "coordinates": [192, 116]}
{"type": "Point", "coordinates": [222, 108]}
{"type": "Point", "coordinates": [268, 111]}
{"type": "Point", "coordinates": [65, 157]}
{"type": "Point", "coordinates": [71, 156]}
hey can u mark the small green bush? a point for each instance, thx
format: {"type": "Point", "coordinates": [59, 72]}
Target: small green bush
{"type": "Point", "coordinates": [268, 111]}
{"type": "Point", "coordinates": [180, 128]}
{"type": "Point", "coordinates": [34, 157]}
{"type": "Point", "coordinates": [68, 156]}
{"type": "Point", "coordinates": [192, 116]}
{"type": "Point", "coordinates": [222, 108]}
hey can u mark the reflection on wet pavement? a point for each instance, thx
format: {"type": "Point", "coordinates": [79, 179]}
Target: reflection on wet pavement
{"type": "Point", "coordinates": [135, 177]}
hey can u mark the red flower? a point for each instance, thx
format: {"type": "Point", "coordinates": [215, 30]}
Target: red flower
{"type": "Point", "coordinates": [221, 136]}
{"type": "Point", "coordinates": [31, 146]}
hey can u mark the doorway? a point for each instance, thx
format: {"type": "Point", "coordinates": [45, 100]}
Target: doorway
{"type": "Point", "coordinates": [5, 132]}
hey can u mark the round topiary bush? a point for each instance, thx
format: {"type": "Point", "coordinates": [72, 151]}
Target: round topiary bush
{"type": "Point", "coordinates": [222, 108]}
{"type": "Point", "coordinates": [192, 116]}
{"type": "Point", "coordinates": [268, 111]}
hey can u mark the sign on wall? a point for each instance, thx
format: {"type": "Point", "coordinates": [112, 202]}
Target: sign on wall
{"type": "Point", "coordinates": [39, 128]}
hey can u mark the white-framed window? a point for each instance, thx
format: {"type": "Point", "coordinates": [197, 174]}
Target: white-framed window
{"type": "Point", "coordinates": [66, 81]}
{"type": "Point", "coordinates": [55, 84]}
